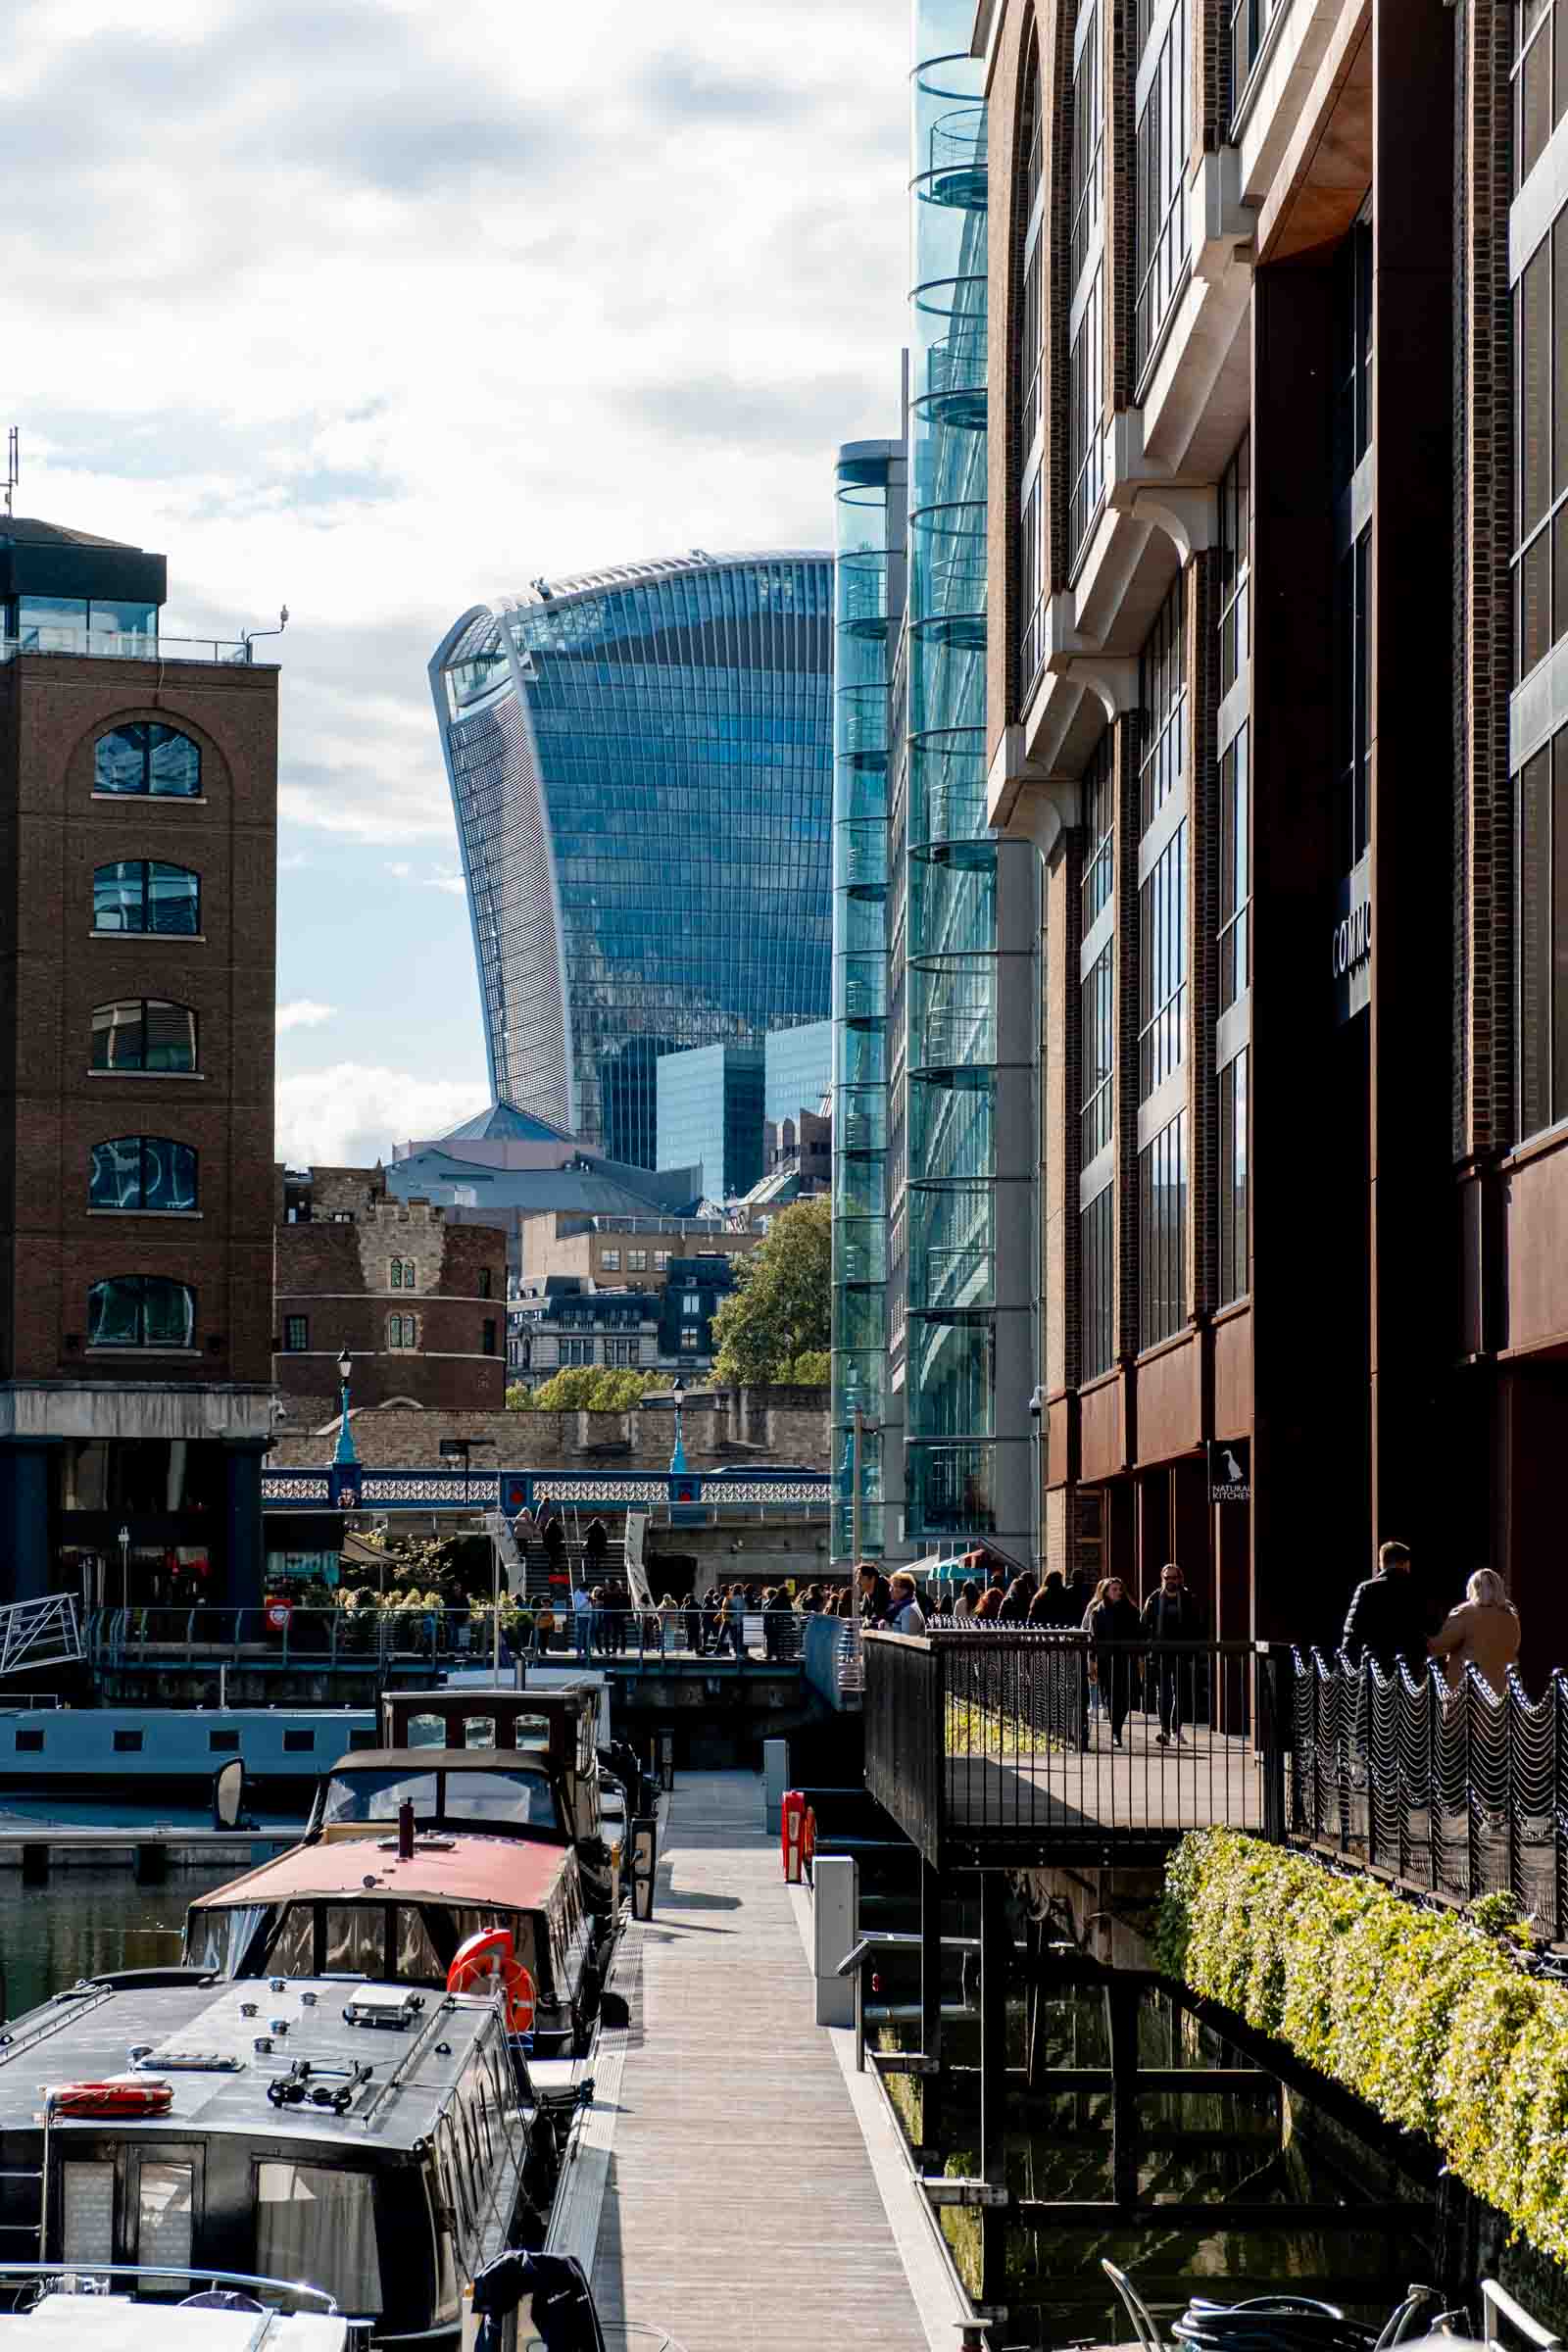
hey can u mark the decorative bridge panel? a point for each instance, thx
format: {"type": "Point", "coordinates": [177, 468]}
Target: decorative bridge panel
{"type": "Point", "coordinates": [353, 1486]}
{"type": "Point", "coordinates": [416, 1489]}
{"type": "Point", "coordinates": [602, 1490]}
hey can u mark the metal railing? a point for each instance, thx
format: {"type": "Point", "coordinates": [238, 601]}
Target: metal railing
{"type": "Point", "coordinates": [110, 645]}
{"type": "Point", "coordinates": [39, 1632]}
{"type": "Point", "coordinates": [1457, 1793]}
{"type": "Point", "coordinates": [1008, 1743]}
{"type": "Point", "coordinates": [687, 1633]}
{"type": "Point", "coordinates": [330, 1638]}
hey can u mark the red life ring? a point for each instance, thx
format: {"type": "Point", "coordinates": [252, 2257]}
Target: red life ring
{"type": "Point", "coordinates": [112, 2099]}
{"type": "Point", "coordinates": [278, 1616]}
{"type": "Point", "coordinates": [487, 1959]}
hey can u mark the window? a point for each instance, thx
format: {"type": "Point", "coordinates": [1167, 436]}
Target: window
{"type": "Point", "coordinates": [660, 1261]}
{"type": "Point", "coordinates": [691, 1302]}
{"type": "Point", "coordinates": [30, 1743]}
{"type": "Point", "coordinates": [1540, 83]}
{"type": "Point", "coordinates": [401, 1275]}
{"type": "Point", "coordinates": [144, 756]}
{"type": "Point", "coordinates": [687, 1340]}
{"type": "Point", "coordinates": [142, 1310]}
{"type": "Point", "coordinates": [1541, 473]}
{"type": "Point", "coordinates": [163, 2219]}
{"type": "Point", "coordinates": [1095, 1235]}
{"type": "Point", "coordinates": [1097, 999]}
{"type": "Point", "coordinates": [137, 894]}
{"type": "Point", "coordinates": [1033, 566]}
{"type": "Point", "coordinates": [1542, 853]}
{"type": "Point", "coordinates": [1235, 875]}
{"type": "Point", "coordinates": [87, 2213]}
{"type": "Point", "coordinates": [1160, 227]}
{"type": "Point", "coordinates": [1234, 1272]}
{"type": "Point", "coordinates": [626, 1355]}
{"type": "Point", "coordinates": [1162, 968]}
{"type": "Point", "coordinates": [1162, 689]}
{"type": "Point", "coordinates": [1085, 384]}
{"type": "Point", "coordinates": [148, 1172]}
{"type": "Point", "coordinates": [144, 1034]}
{"type": "Point", "coordinates": [636, 1261]}
{"type": "Point", "coordinates": [1086, 399]}
{"type": "Point", "coordinates": [610, 1261]}
{"type": "Point", "coordinates": [489, 1342]}
{"type": "Point", "coordinates": [1249, 22]}
{"type": "Point", "coordinates": [402, 1332]}
{"type": "Point", "coordinates": [576, 1351]}
{"type": "Point", "coordinates": [1352, 303]}
{"type": "Point", "coordinates": [1352, 617]}
{"type": "Point", "coordinates": [316, 2223]}
{"type": "Point", "coordinates": [484, 1282]}
{"type": "Point", "coordinates": [127, 1743]}
{"type": "Point", "coordinates": [296, 1334]}
{"type": "Point", "coordinates": [299, 1744]}
{"type": "Point", "coordinates": [222, 1743]}
{"type": "Point", "coordinates": [1087, 145]}
{"type": "Point", "coordinates": [1235, 564]}
{"type": "Point", "coordinates": [1162, 1235]}
{"type": "Point", "coordinates": [1098, 823]}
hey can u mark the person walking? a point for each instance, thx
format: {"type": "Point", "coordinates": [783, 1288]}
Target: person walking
{"type": "Point", "coordinates": [1113, 1619]}
{"type": "Point", "coordinates": [906, 1615]}
{"type": "Point", "coordinates": [595, 1545]}
{"type": "Point", "coordinates": [1482, 1632]}
{"type": "Point", "coordinates": [1387, 1619]}
{"type": "Point", "coordinates": [1172, 1615]}
{"type": "Point", "coordinates": [582, 1620]}
{"type": "Point", "coordinates": [876, 1596]}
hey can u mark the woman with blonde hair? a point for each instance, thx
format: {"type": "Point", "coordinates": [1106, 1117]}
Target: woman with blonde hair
{"type": "Point", "coordinates": [1482, 1632]}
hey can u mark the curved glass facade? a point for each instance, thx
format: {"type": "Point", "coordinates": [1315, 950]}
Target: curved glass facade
{"type": "Point", "coordinates": [970, 1130]}
{"type": "Point", "coordinates": [640, 763]}
{"type": "Point", "coordinates": [868, 594]}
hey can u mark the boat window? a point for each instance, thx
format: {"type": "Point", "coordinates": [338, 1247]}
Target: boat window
{"type": "Point", "coordinates": [87, 2213]}
{"type": "Point", "coordinates": [355, 1939]}
{"type": "Point", "coordinates": [479, 1731]}
{"type": "Point", "coordinates": [164, 2198]}
{"type": "Point", "coordinates": [219, 1937]}
{"type": "Point", "coordinates": [315, 2223]}
{"type": "Point", "coordinates": [418, 1960]}
{"type": "Point", "coordinates": [374, 1792]}
{"type": "Point", "coordinates": [293, 1948]}
{"type": "Point", "coordinates": [424, 1730]}
{"type": "Point", "coordinates": [477, 2107]}
{"type": "Point", "coordinates": [458, 2173]}
{"type": "Point", "coordinates": [444, 2221]}
{"type": "Point", "coordinates": [518, 1800]}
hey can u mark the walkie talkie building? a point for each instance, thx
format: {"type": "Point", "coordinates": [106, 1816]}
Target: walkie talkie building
{"type": "Point", "coordinates": [641, 766]}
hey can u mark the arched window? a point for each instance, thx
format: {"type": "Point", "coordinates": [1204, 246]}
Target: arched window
{"type": "Point", "coordinates": [402, 1331]}
{"type": "Point", "coordinates": [142, 1310]}
{"type": "Point", "coordinates": [1033, 568]}
{"type": "Point", "coordinates": [148, 1172]}
{"type": "Point", "coordinates": [144, 1033]}
{"type": "Point", "coordinates": [403, 1275]}
{"type": "Point", "coordinates": [143, 755]}
{"type": "Point", "coordinates": [138, 894]}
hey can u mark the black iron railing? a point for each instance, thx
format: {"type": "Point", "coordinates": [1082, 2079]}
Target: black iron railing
{"type": "Point", "coordinates": [1459, 1792]}
{"type": "Point", "coordinates": [1002, 1743]}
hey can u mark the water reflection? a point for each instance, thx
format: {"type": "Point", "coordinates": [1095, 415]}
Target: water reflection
{"type": "Point", "coordinates": [86, 1921]}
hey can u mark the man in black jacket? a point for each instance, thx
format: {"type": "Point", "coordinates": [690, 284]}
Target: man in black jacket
{"type": "Point", "coordinates": [1387, 1617]}
{"type": "Point", "coordinates": [1171, 1614]}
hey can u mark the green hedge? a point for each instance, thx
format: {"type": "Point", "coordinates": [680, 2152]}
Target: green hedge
{"type": "Point", "coordinates": [1424, 2015]}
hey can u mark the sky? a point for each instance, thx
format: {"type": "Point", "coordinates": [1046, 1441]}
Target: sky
{"type": "Point", "coordinates": [378, 310]}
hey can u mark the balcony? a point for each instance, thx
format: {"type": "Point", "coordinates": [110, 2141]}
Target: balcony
{"type": "Point", "coordinates": [100, 644]}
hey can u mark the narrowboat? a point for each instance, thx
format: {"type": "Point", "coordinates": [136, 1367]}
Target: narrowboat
{"type": "Point", "coordinates": [551, 1731]}
{"type": "Point", "coordinates": [399, 1908]}
{"type": "Point", "coordinates": [380, 2143]}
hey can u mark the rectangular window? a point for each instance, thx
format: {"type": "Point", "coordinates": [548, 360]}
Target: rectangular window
{"type": "Point", "coordinates": [222, 1743]}
{"type": "Point", "coordinates": [1162, 691]}
{"type": "Point", "coordinates": [127, 1743]}
{"type": "Point", "coordinates": [1162, 968]}
{"type": "Point", "coordinates": [1249, 22]}
{"type": "Point", "coordinates": [30, 1743]}
{"type": "Point", "coordinates": [1033, 573]}
{"type": "Point", "coordinates": [489, 1335]}
{"type": "Point", "coordinates": [636, 1261]}
{"type": "Point", "coordinates": [1095, 1273]}
{"type": "Point", "coordinates": [299, 1744]}
{"type": "Point", "coordinates": [687, 1340]}
{"type": "Point", "coordinates": [1099, 851]}
{"type": "Point", "coordinates": [691, 1302]}
{"type": "Point", "coordinates": [1541, 475]}
{"type": "Point", "coordinates": [1353, 649]}
{"type": "Point", "coordinates": [1160, 227]}
{"type": "Point", "coordinates": [1162, 1235]}
{"type": "Point", "coordinates": [317, 2223]}
{"type": "Point", "coordinates": [1235, 876]}
{"type": "Point", "coordinates": [1087, 147]}
{"type": "Point", "coordinates": [139, 895]}
{"type": "Point", "coordinates": [484, 1282]}
{"type": "Point", "coordinates": [87, 2214]}
{"type": "Point", "coordinates": [144, 1035]}
{"type": "Point", "coordinates": [1352, 303]}
{"type": "Point", "coordinates": [1542, 928]}
{"type": "Point", "coordinates": [296, 1334]}
{"type": "Point", "coordinates": [1086, 399]}
{"type": "Point", "coordinates": [1097, 1037]}
{"type": "Point", "coordinates": [1540, 83]}
{"type": "Point", "coordinates": [164, 2198]}
{"type": "Point", "coordinates": [1233, 1270]}
{"type": "Point", "coordinates": [610, 1261]}
{"type": "Point", "coordinates": [1235, 564]}
{"type": "Point", "coordinates": [661, 1260]}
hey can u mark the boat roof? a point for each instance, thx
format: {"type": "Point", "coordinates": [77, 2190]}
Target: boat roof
{"type": "Point", "coordinates": [441, 1759]}
{"type": "Point", "coordinates": [198, 2039]}
{"type": "Point", "coordinates": [78, 2322]}
{"type": "Point", "coordinates": [513, 1874]}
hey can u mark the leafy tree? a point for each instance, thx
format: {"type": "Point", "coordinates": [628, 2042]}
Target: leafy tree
{"type": "Point", "coordinates": [812, 1368]}
{"type": "Point", "coordinates": [585, 1388]}
{"type": "Point", "coordinates": [781, 1307]}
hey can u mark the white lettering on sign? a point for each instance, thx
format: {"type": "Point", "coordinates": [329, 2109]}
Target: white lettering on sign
{"type": "Point", "coordinates": [1352, 940]}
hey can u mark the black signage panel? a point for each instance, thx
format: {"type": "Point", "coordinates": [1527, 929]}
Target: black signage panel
{"type": "Point", "coordinates": [1230, 1470]}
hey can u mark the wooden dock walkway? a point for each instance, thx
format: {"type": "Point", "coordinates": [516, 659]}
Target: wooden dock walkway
{"type": "Point", "coordinates": [740, 2206]}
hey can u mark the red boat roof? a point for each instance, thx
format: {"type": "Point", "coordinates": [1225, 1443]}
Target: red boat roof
{"type": "Point", "coordinates": [511, 1873]}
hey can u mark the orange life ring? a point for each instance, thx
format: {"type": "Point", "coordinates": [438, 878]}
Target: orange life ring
{"type": "Point", "coordinates": [486, 1959]}
{"type": "Point", "coordinates": [112, 2099]}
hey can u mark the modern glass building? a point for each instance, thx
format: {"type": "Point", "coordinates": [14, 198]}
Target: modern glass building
{"type": "Point", "coordinates": [640, 762]}
{"type": "Point", "coordinates": [711, 1117]}
{"type": "Point", "coordinates": [799, 1070]}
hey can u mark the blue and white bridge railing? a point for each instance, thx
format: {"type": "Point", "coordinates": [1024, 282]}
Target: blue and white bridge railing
{"type": "Point", "coordinates": [353, 1486]}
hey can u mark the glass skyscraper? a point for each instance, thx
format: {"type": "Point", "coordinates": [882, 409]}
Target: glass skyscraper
{"type": "Point", "coordinates": [641, 766]}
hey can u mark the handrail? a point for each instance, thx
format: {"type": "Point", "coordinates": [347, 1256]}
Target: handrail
{"type": "Point", "coordinates": [1497, 2303]}
{"type": "Point", "coordinates": [198, 2275]}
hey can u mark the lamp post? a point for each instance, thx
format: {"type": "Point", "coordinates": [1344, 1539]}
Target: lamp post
{"type": "Point", "coordinates": [678, 1461]}
{"type": "Point", "coordinates": [345, 1456]}
{"type": "Point", "coordinates": [125, 1567]}
{"type": "Point", "coordinates": [1037, 1432]}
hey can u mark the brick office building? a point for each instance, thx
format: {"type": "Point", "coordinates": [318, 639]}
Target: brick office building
{"type": "Point", "coordinates": [1281, 725]}
{"type": "Point", "coordinates": [138, 788]}
{"type": "Point", "coordinates": [418, 1304]}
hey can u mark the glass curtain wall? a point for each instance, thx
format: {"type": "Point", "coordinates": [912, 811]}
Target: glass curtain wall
{"type": "Point", "coordinates": [868, 594]}
{"type": "Point", "coordinates": [967, 1055]}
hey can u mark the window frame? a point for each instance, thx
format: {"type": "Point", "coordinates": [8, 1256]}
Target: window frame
{"type": "Point", "coordinates": [144, 1286]}
{"type": "Point", "coordinates": [300, 1346]}
{"type": "Point", "coordinates": [122, 1070]}
{"type": "Point", "coordinates": [141, 1206]}
{"type": "Point", "coordinates": [148, 928]}
{"type": "Point", "coordinates": [146, 790]}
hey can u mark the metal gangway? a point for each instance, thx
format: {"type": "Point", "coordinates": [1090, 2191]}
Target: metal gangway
{"type": "Point", "coordinates": [35, 1634]}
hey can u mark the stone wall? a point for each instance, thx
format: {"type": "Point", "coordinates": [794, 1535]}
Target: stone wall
{"type": "Point", "coordinates": [762, 1426]}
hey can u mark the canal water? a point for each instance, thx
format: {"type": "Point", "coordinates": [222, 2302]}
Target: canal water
{"type": "Point", "coordinates": [86, 1921]}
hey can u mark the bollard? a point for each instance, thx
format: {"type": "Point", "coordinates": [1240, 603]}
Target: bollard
{"type": "Point", "coordinates": [643, 1833]}
{"type": "Point", "coordinates": [835, 1912]}
{"type": "Point", "coordinates": [792, 1813]}
{"type": "Point", "coordinates": [775, 1780]}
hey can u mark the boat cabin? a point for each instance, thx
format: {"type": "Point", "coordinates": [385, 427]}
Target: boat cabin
{"type": "Point", "coordinates": [511, 1793]}
{"type": "Point", "coordinates": [557, 1728]}
{"type": "Point", "coordinates": [361, 2137]}
{"type": "Point", "coordinates": [358, 1907]}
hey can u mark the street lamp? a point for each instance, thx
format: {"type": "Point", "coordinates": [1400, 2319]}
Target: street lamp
{"type": "Point", "coordinates": [1036, 1433]}
{"type": "Point", "coordinates": [678, 1461]}
{"type": "Point", "coordinates": [125, 1567]}
{"type": "Point", "coordinates": [345, 1454]}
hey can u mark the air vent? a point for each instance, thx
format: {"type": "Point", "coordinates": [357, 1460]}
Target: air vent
{"type": "Point", "coordinates": [383, 2005]}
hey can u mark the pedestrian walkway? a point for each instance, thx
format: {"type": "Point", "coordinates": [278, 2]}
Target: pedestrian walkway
{"type": "Point", "coordinates": [740, 2206]}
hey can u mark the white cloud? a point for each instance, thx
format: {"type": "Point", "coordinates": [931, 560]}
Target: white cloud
{"type": "Point", "coordinates": [399, 872]}
{"type": "Point", "coordinates": [352, 1114]}
{"type": "Point", "coordinates": [304, 1013]}
{"type": "Point", "coordinates": [452, 883]}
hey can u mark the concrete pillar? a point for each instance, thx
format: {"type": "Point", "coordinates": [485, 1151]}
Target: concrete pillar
{"type": "Point", "coordinates": [835, 1912]}
{"type": "Point", "coordinates": [26, 1515]}
{"type": "Point", "coordinates": [775, 1780]}
{"type": "Point", "coordinates": [244, 1551]}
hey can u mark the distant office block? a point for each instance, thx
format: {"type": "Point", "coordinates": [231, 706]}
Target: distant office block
{"type": "Point", "coordinates": [711, 1117]}
{"type": "Point", "coordinates": [797, 1066]}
